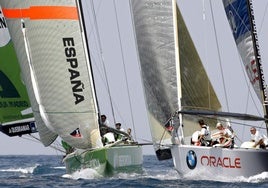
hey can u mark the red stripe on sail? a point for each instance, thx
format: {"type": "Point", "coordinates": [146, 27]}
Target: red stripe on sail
{"type": "Point", "coordinates": [42, 13]}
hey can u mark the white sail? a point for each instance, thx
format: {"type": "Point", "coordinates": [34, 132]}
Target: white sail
{"type": "Point", "coordinates": [58, 58]}
{"type": "Point", "coordinates": [154, 33]}
{"type": "Point", "coordinates": [12, 125]}
{"type": "Point", "coordinates": [240, 15]}
{"type": "Point", "coordinates": [153, 22]}
{"type": "Point", "coordinates": [159, 48]}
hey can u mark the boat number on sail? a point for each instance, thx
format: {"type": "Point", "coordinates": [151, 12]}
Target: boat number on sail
{"type": "Point", "coordinates": [77, 85]}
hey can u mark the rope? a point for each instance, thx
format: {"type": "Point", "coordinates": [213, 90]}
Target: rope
{"type": "Point", "coordinates": [219, 55]}
{"type": "Point", "coordinates": [102, 60]}
{"type": "Point", "coordinates": [124, 66]}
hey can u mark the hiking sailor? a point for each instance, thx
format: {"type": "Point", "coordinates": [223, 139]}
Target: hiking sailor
{"type": "Point", "coordinates": [257, 138]}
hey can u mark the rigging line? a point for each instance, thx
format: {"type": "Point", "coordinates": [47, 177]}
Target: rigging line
{"type": "Point", "coordinates": [91, 33]}
{"type": "Point", "coordinates": [206, 52]}
{"type": "Point", "coordinates": [219, 55]}
{"type": "Point", "coordinates": [96, 57]}
{"type": "Point", "coordinates": [37, 140]}
{"type": "Point", "coordinates": [242, 64]}
{"type": "Point", "coordinates": [124, 66]}
{"type": "Point", "coordinates": [249, 89]}
{"type": "Point", "coordinates": [102, 59]}
{"type": "Point", "coordinates": [263, 17]}
{"type": "Point", "coordinates": [248, 29]}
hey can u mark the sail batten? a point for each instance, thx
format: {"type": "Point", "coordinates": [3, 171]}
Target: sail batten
{"type": "Point", "coordinates": [216, 114]}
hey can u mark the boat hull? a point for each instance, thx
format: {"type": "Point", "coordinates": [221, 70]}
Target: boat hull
{"type": "Point", "coordinates": [106, 160]}
{"type": "Point", "coordinates": [219, 161]}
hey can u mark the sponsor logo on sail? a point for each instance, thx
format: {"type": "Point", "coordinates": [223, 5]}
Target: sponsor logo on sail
{"type": "Point", "coordinates": [77, 84]}
{"type": "Point", "coordinates": [258, 74]}
{"type": "Point", "coordinates": [4, 34]}
{"type": "Point", "coordinates": [20, 128]}
{"type": "Point", "coordinates": [191, 159]}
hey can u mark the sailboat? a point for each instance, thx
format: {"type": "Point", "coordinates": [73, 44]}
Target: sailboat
{"type": "Point", "coordinates": [16, 116]}
{"type": "Point", "coordinates": [51, 45]}
{"type": "Point", "coordinates": [178, 91]}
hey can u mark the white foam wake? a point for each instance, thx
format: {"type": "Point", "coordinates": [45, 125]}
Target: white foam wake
{"type": "Point", "coordinates": [26, 170]}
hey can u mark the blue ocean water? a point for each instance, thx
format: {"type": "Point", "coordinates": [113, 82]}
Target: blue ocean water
{"type": "Point", "coordinates": [49, 171]}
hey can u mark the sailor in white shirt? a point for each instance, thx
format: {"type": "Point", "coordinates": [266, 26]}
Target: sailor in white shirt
{"type": "Point", "coordinates": [257, 138]}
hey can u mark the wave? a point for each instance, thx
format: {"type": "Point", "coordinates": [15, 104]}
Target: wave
{"type": "Point", "coordinates": [159, 174]}
{"type": "Point", "coordinates": [83, 174]}
{"type": "Point", "coordinates": [26, 170]}
{"type": "Point", "coordinates": [204, 175]}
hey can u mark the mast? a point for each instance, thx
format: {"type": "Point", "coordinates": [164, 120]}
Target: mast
{"type": "Point", "coordinates": [177, 59]}
{"type": "Point", "coordinates": [84, 36]}
{"type": "Point", "coordinates": [259, 75]}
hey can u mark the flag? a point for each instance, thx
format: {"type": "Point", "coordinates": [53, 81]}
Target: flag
{"type": "Point", "coordinates": [76, 133]}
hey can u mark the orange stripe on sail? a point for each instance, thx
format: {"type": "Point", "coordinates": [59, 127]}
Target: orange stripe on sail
{"type": "Point", "coordinates": [42, 12]}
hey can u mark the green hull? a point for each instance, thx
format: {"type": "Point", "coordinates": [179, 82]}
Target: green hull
{"type": "Point", "coordinates": [107, 160]}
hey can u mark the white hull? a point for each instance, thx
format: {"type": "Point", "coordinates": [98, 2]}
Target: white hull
{"type": "Point", "coordinates": [219, 161]}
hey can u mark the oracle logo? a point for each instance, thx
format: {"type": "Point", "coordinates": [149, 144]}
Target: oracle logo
{"type": "Point", "coordinates": [224, 162]}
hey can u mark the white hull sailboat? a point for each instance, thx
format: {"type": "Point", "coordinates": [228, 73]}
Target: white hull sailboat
{"type": "Point", "coordinates": [178, 91]}
{"type": "Point", "coordinates": [51, 45]}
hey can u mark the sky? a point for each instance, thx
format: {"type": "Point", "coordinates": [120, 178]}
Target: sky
{"type": "Point", "coordinates": [197, 15]}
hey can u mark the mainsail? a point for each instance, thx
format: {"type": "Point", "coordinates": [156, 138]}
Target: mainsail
{"type": "Point", "coordinates": [172, 73]}
{"type": "Point", "coordinates": [16, 117]}
{"type": "Point", "coordinates": [241, 19]}
{"type": "Point", "coordinates": [153, 21]}
{"type": "Point", "coordinates": [49, 38]}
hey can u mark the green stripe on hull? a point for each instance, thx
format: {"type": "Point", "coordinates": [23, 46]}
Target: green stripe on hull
{"type": "Point", "coordinates": [106, 161]}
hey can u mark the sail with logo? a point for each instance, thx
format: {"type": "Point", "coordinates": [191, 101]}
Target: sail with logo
{"type": "Point", "coordinates": [16, 116]}
{"type": "Point", "coordinates": [51, 44]}
{"type": "Point", "coordinates": [245, 35]}
{"type": "Point", "coordinates": [179, 93]}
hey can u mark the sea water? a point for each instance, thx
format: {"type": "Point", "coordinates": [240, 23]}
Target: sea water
{"type": "Point", "coordinates": [49, 171]}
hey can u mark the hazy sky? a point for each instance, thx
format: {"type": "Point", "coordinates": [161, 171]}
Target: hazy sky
{"type": "Point", "coordinates": [202, 33]}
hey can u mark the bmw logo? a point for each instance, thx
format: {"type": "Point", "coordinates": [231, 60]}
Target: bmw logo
{"type": "Point", "coordinates": [191, 159]}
